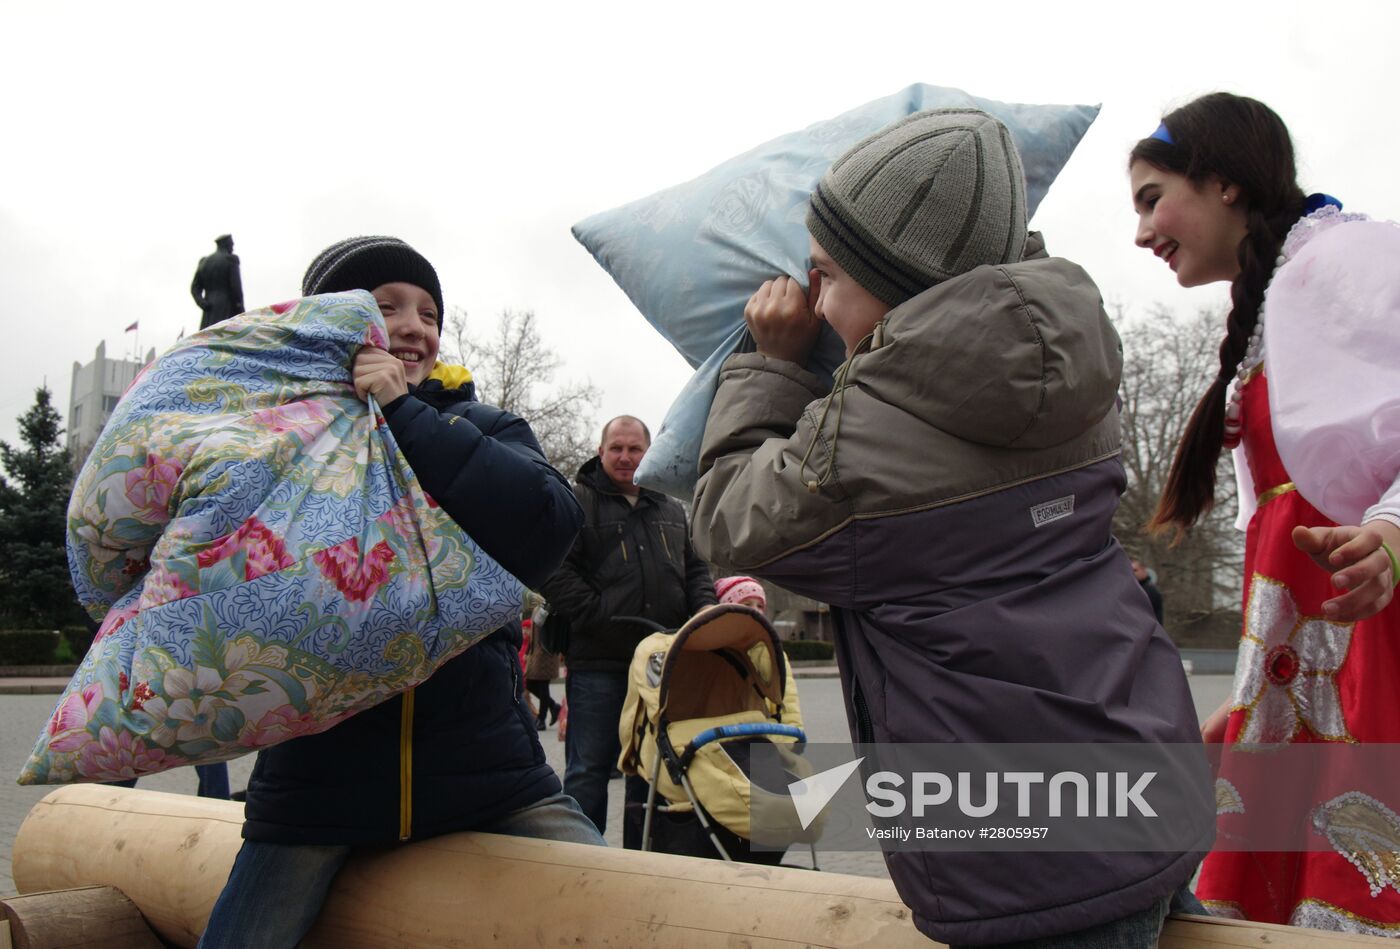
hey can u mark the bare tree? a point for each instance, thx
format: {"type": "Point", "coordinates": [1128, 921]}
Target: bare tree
{"type": "Point", "coordinates": [1167, 365]}
{"type": "Point", "coordinates": [514, 369]}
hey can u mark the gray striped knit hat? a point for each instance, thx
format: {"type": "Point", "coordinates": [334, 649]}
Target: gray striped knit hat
{"type": "Point", "coordinates": [925, 199]}
{"type": "Point", "coordinates": [363, 263]}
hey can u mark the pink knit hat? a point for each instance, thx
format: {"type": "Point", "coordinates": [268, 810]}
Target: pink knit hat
{"type": "Point", "coordinates": [737, 589]}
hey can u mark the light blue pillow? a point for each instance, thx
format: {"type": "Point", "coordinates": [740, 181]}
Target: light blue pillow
{"type": "Point", "coordinates": [690, 256]}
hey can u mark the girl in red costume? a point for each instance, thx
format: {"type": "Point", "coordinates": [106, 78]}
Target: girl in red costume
{"type": "Point", "coordinates": [1308, 395]}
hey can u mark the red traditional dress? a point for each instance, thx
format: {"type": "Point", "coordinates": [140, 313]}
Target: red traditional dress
{"type": "Point", "coordinates": [1302, 678]}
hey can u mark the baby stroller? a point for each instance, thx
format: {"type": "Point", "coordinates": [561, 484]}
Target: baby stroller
{"type": "Point", "coordinates": [697, 701]}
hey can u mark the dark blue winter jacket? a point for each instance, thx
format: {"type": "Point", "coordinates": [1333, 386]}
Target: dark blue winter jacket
{"type": "Point", "coordinates": [461, 748]}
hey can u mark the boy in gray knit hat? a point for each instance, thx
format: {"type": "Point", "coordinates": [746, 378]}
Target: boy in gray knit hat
{"type": "Point", "coordinates": [952, 499]}
{"type": "Point", "coordinates": [927, 199]}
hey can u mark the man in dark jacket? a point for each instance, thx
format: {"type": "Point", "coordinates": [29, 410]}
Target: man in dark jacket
{"type": "Point", "coordinates": [459, 752]}
{"type": "Point", "coordinates": [633, 560]}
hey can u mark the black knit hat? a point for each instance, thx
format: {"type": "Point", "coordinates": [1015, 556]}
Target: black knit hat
{"type": "Point", "coordinates": [923, 200]}
{"type": "Point", "coordinates": [363, 263]}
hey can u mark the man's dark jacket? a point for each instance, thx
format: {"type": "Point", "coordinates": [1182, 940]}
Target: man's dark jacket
{"type": "Point", "coordinates": [461, 748]}
{"type": "Point", "coordinates": [628, 561]}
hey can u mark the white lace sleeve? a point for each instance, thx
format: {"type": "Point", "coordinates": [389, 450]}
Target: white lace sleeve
{"type": "Point", "coordinates": [1332, 356]}
{"type": "Point", "coordinates": [1244, 493]}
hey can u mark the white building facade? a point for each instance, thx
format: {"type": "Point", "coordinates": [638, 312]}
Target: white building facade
{"type": "Point", "coordinates": [96, 389]}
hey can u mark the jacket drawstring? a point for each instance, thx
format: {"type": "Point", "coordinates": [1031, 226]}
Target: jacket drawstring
{"type": "Point", "coordinates": [406, 766]}
{"type": "Point", "coordinates": [838, 394]}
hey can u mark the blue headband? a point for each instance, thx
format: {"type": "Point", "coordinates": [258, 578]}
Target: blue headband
{"type": "Point", "coordinates": [1314, 202]}
{"type": "Point", "coordinates": [1317, 202]}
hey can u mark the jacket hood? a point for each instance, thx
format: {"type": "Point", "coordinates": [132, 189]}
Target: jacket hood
{"type": "Point", "coordinates": [435, 390]}
{"type": "Point", "coordinates": [591, 473]}
{"type": "Point", "coordinates": [590, 469]}
{"type": "Point", "coordinates": [1020, 355]}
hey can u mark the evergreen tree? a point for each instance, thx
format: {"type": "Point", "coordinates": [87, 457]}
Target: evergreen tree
{"type": "Point", "coordinates": [35, 590]}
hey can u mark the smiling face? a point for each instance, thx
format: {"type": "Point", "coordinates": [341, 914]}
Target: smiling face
{"type": "Point", "coordinates": [1196, 227]}
{"type": "Point", "coordinates": [412, 320]}
{"type": "Point", "coordinates": [850, 309]}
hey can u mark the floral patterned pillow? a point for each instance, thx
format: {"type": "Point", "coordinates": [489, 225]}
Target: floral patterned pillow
{"type": "Point", "coordinates": [262, 559]}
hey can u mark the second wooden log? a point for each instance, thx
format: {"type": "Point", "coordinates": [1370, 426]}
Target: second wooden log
{"type": "Point", "coordinates": [89, 917]}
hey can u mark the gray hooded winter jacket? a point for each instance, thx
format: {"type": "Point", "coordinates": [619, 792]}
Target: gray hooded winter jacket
{"type": "Point", "coordinates": [953, 502]}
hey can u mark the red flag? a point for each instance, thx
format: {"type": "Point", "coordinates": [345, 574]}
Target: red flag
{"type": "Point", "coordinates": [131, 327]}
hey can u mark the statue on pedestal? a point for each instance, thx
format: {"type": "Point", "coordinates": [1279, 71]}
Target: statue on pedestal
{"type": "Point", "coordinates": [218, 285]}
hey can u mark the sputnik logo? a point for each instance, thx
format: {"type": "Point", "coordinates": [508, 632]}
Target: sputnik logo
{"type": "Point", "coordinates": [811, 795]}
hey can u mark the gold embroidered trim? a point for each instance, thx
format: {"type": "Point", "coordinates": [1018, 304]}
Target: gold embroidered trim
{"type": "Point", "coordinates": [1320, 914]}
{"type": "Point", "coordinates": [1275, 492]}
{"type": "Point", "coordinates": [1227, 798]}
{"type": "Point", "coordinates": [1367, 834]}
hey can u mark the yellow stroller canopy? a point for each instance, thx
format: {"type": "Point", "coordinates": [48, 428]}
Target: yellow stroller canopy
{"type": "Point", "coordinates": [722, 676]}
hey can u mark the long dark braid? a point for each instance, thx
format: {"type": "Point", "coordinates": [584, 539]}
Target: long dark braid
{"type": "Point", "coordinates": [1243, 143]}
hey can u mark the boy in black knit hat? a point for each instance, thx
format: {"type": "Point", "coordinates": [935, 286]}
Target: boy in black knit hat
{"type": "Point", "coordinates": [459, 751]}
{"type": "Point", "coordinates": [952, 500]}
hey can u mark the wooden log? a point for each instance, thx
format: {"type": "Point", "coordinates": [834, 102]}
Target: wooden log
{"type": "Point", "coordinates": [94, 917]}
{"type": "Point", "coordinates": [171, 854]}
{"type": "Point", "coordinates": [1213, 932]}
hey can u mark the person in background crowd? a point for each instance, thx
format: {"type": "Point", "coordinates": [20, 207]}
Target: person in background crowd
{"type": "Point", "coordinates": [1148, 583]}
{"type": "Point", "coordinates": [541, 668]}
{"type": "Point", "coordinates": [745, 591]}
{"type": "Point", "coordinates": [631, 570]}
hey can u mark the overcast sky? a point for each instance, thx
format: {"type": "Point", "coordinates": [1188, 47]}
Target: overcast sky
{"type": "Point", "coordinates": [134, 134]}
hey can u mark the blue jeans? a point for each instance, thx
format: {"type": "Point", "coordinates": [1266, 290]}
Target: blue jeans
{"type": "Point", "coordinates": [1140, 930]}
{"type": "Point", "coordinates": [275, 891]}
{"type": "Point", "coordinates": [213, 780]}
{"type": "Point", "coordinates": [1184, 901]}
{"type": "Point", "coordinates": [591, 747]}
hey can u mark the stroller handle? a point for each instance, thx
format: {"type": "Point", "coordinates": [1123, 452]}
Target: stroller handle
{"type": "Point", "coordinates": [744, 730]}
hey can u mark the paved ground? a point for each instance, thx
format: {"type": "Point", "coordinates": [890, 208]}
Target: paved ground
{"type": "Point", "coordinates": [22, 715]}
